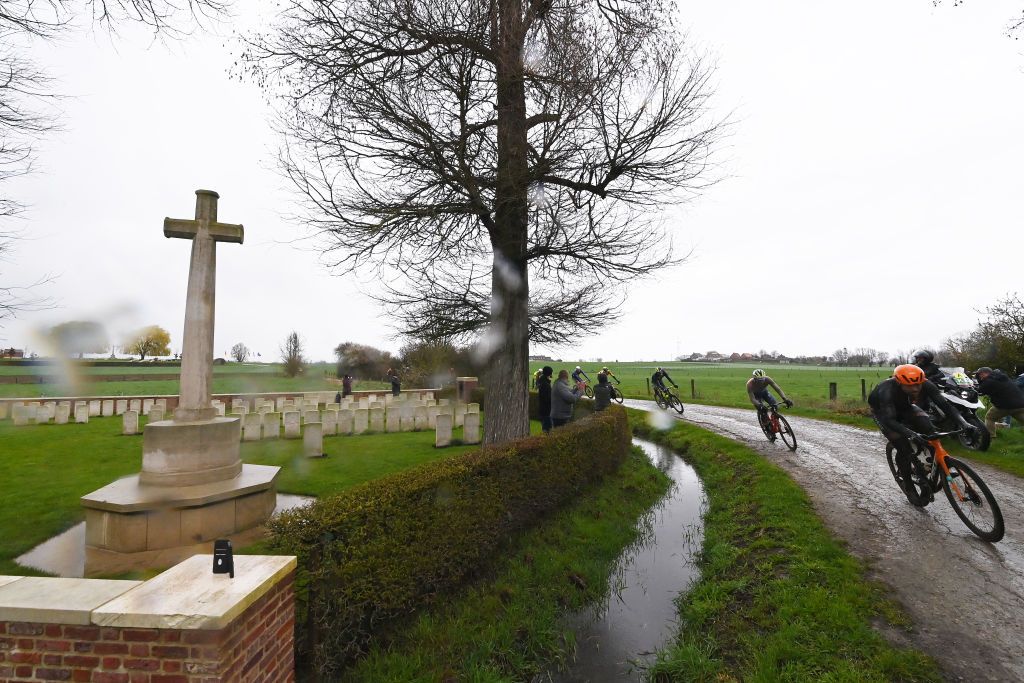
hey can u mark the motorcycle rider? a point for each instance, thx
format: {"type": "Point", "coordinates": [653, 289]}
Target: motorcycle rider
{"type": "Point", "coordinates": [925, 360]}
{"type": "Point", "coordinates": [899, 406]}
{"type": "Point", "coordinates": [757, 391]}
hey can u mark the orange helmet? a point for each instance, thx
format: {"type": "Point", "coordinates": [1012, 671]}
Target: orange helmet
{"type": "Point", "coordinates": [908, 374]}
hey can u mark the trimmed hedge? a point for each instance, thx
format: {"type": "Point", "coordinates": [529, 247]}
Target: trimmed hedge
{"type": "Point", "coordinates": [381, 550]}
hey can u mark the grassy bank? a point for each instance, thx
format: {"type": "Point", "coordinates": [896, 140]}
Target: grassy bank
{"type": "Point", "coordinates": [508, 627]}
{"type": "Point", "coordinates": [778, 598]}
{"type": "Point", "coordinates": [47, 468]}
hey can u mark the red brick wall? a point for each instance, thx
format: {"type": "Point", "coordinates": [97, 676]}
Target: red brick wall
{"type": "Point", "coordinates": [256, 646]}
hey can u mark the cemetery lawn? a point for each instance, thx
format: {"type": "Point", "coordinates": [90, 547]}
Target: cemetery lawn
{"type": "Point", "coordinates": [778, 598]}
{"type": "Point", "coordinates": [47, 468]}
{"type": "Point", "coordinates": [507, 626]}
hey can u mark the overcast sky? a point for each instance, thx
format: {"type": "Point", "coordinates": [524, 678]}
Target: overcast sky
{"type": "Point", "coordinates": [872, 191]}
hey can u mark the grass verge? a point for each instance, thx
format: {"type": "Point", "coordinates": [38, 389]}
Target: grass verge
{"type": "Point", "coordinates": [778, 598]}
{"type": "Point", "coordinates": [507, 627]}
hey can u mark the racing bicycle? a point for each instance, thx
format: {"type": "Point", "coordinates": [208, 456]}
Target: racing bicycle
{"type": "Point", "coordinates": [773, 425]}
{"type": "Point", "coordinates": [667, 398]}
{"type": "Point", "coordinates": [936, 469]}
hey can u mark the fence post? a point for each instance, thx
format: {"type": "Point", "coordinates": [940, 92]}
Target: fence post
{"type": "Point", "coordinates": [693, 388]}
{"type": "Point", "coordinates": [648, 380]}
{"type": "Point", "coordinates": [863, 389]}
{"type": "Point", "coordinates": [832, 391]}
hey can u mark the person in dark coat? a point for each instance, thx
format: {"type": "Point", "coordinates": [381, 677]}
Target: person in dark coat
{"type": "Point", "coordinates": [544, 397]}
{"type": "Point", "coordinates": [602, 392]}
{"type": "Point", "coordinates": [346, 386]}
{"type": "Point", "coordinates": [396, 384]}
{"type": "Point", "coordinates": [1006, 397]}
{"type": "Point", "coordinates": [562, 399]}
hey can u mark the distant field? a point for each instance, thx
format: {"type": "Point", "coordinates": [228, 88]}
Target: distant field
{"type": "Point", "coordinates": [725, 383]}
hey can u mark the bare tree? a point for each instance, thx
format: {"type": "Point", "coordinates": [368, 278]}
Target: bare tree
{"type": "Point", "coordinates": [502, 162]}
{"type": "Point", "coordinates": [28, 105]}
{"type": "Point", "coordinates": [291, 355]}
{"type": "Point", "coordinates": [239, 352]}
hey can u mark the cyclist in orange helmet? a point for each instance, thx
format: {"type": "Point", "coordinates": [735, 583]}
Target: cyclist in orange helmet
{"type": "Point", "coordinates": [899, 406]}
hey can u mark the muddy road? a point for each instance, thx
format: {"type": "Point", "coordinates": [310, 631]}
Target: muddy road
{"type": "Point", "coordinates": [965, 596]}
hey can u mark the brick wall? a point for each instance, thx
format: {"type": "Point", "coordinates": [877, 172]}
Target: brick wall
{"type": "Point", "coordinates": [255, 646]}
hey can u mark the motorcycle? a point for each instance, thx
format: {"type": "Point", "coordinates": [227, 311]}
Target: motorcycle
{"type": "Point", "coordinates": [961, 393]}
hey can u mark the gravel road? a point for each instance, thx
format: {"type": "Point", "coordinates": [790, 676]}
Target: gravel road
{"type": "Point", "coordinates": [965, 596]}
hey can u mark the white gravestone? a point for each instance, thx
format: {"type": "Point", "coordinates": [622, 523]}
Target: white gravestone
{"type": "Point", "coordinates": [345, 417]}
{"type": "Point", "coordinates": [279, 403]}
{"type": "Point", "coordinates": [252, 426]}
{"type": "Point", "coordinates": [443, 431]}
{"type": "Point", "coordinates": [460, 413]}
{"type": "Point", "coordinates": [377, 420]}
{"type": "Point", "coordinates": [62, 413]}
{"type": "Point", "coordinates": [471, 428]}
{"type": "Point", "coordinates": [136, 405]}
{"type": "Point", "coordinates": [292, 425]}
{"type": "Point", "coordinates": [162, 402]}
{"type": "Point", "coordinates": [271, 425]}
{"type": "Point", "coordinates": [3, 411]}
{"type": "Point", "coordinates": [45, 412]}
{"type": "Point", "coordinates": [394, 420]}
{"type": "Point", "coordinates": [130, 422]}
{"type": "Point", "coordinates": [360, 420]}
{"type": "Point", "coordinates": [313, 440]}
{"type": "Point", "coordinates": [420, 418]}
{"type": "Point", "coordinates": [408, 422]}
{"type": "Point", "coordinates": [81, 412]}
{"type": "Point", "coordinates": [156, 413]}
{"type": "Point", "coordinates": [472, 407]}
{"type": "Point", "coordinates": [364, 402]}
{"type": "Point", "coordinates": [330, 422]}
{"type": "Point", "coordinates": [219, 407]}
{"type": "Point", "coordinates": [120, 405]}
{"type": "Point", "coordinates": [95, 408]}
{"type": "Point", "coordinates": [310, 415]}
{"type": "Point", "coordinates": [20, 416]}
{"type": "Point", "coordinates": [107, 407]}
{"type": "Point", "coordinates": [442, 401]}
{"type": "Point", "coordinates": [147, 403]}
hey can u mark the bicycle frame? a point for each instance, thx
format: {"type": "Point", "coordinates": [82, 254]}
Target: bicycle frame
{"type": "Point", "coordinates": [940, 455]}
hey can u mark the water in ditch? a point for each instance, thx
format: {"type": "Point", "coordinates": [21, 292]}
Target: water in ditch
{"type": "Point", "coordinates": [615, 639]}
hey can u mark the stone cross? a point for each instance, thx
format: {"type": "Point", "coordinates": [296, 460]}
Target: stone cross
{"type": "Point", "coordinates": [197, 347]}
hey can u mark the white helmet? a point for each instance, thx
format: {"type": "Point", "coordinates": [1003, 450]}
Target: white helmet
{"type": "Point", "coordinates": [578, 367]}
{"type": "Point", "coordinates": [759, 373]}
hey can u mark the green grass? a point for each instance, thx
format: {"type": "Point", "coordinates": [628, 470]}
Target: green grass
{"type": "Point", "coordinates": [47, 468]}
{"type": "Point", "coordinates": [778, 598]}
{"type": "Point", "coordinates": [507, 627]}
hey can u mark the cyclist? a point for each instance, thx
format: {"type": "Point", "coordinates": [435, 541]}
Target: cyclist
{"type": "Point", "coordinates": [757, 391]}
{"type": "Point", "coordinates": [607, 373]}
{"type": "Point", "coordinates": [577, 373]}
{"type": "Point", "coordinates": [899, 406]}
{"type": "Point", "coordinates": [925, 360]}
{"type": "Point", "coordinates": [658, 380]}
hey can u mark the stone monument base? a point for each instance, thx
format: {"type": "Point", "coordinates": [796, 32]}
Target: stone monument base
{"type": "Point", "coordinates": [129, 525]}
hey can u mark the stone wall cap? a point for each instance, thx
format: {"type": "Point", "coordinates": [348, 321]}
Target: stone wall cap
{"type": "Point", "coordinates": [190, 596]}
{"type": "Point", "coordinates": [128, 495]}
{"type": "Point", "coordinates": [57, 601]}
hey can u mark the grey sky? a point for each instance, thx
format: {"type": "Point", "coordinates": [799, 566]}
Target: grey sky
{"type": "Point", "coordinates": [871, 193]}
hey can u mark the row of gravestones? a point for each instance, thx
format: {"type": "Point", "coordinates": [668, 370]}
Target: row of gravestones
{"type": "Point", "coordinates": [63, 412]}
{"type": "Point", "coordinates": [343, 421]}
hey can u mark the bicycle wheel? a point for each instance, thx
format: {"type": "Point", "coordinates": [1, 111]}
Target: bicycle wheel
{"type": "Point", "coordinates": [788, 437]}
{"type": "Point", "coordinates": [978, 441]}
{"type": "Point", "coordinates": [588, 391]}
{"type": "Point", "coordinates": [616, 395]}
{"type": "Point", "coordinates": [766, 425]}
{"type": "Point", "coordinates": [973, 503]}
{"type": "Point", "coordinates": [675, 403]}
{"type": "Point", "coordinates": [921, 491]}
{"type": "Point", "coordinates": [659, 399]}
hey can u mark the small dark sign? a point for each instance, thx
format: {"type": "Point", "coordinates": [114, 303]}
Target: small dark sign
{"type": "Point", "coordinates": [223, 560]}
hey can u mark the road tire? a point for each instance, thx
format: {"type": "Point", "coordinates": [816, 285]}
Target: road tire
{"type": "Point", "coordinates": [676, 403]}
{"type": "Point", "coordinates": [922, 490]}
{"type": "Point", "coordinates": [588, 391]}
{"type": "Point", "coordinates": [659, 398]}
{"type": "Point", "coordinates": [786, 432]}
{"type": "Point", "coordinates": [766, 425]}
{"type": "Point", "coordinates": [617, 395]}
{"type": "Point", "coordinates": [982, 442]}
{"type": "Point", "coordinates": [979, 502]}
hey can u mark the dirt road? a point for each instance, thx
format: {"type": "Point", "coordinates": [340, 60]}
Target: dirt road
{"type": "Point", "coordinates": [965, 596]}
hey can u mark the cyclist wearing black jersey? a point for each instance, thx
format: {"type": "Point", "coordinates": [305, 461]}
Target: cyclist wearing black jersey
{"type": "Point", "coordinates": [659, 377]}
{"type": "Point", "coordinates": [899, 406]}
{"type": "Point", "coordinates": [577, 374]}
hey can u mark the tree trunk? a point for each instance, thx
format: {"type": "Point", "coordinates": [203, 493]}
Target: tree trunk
{"type": "Point", "coordinates": [507, 392]}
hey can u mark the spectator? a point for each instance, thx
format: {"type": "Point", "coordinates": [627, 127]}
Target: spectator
{"type": "Point", "coordinates": [562, 400]}
{"type": "Point", "coordinates": [1006, 397]}
{"type": "Point", "coordinates": [337, 397]}
{"type": "Point", "coordinates": [544, 398]}
{"type": "Point", "coordinates": [396, 384]}
{"type": "Point", "coordinates": [602, 392]}
{"type": "Point", "coordinates": [346, 385]}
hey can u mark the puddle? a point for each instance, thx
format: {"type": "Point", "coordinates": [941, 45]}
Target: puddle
{"type": "Point", "coordinates": [616, 639]}
{"type": "Point", "coordinates": [64, 555]}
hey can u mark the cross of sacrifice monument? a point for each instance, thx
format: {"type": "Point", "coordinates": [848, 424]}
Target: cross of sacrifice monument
{"type": "Point", "coordinates": [193, 486]}
{"type": "Point", "coordinates": [197, 350]}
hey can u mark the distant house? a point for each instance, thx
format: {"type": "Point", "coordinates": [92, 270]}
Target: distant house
{"type": "Point", "coordinates": [713, 356]}
{"type": "Point", "coordinates": [12, 353]}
